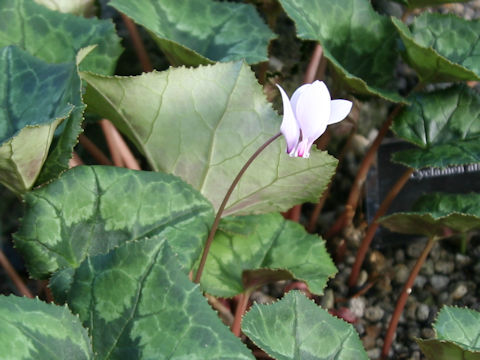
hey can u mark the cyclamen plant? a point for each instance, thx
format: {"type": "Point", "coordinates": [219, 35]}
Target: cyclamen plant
{"type": "Point", "coordinates": [131, 256]}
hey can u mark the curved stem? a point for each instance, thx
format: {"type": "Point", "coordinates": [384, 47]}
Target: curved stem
{"type": "Point", "coordinates": [402, 300]}
{"type": "Point", "coordinates": [214, 228]}
{"type": "Point", "coordinates": [239, 311]}
{"type": "Point", "coordinates": [137, 44]}
{"type": "Point", "coordinates": [372, 228]}
{"type": "Point", "coordinates": [354, 196]}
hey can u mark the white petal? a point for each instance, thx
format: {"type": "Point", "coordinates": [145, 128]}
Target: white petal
{"type": "Point", "coordinates": [339, 110]}
{"type": "Point", "coordinates": [296, 95]}
{"type": "Point", "coordinates": [289, 127]}
{"type": "Point", "coordinates": [313, 110]}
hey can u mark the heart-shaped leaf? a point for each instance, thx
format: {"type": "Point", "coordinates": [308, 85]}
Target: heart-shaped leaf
{"type": "Point", "coordinates": [37, 96]}
{"type": "Point", "coordinates": [423, 3]}
{"type": "Point", "coordinates": [56, 38]}
{"type": "Point", "coordinates": [90, 210]}
{"type": "Point", "coordinates": [77, 7]}
{"type": "Point", "coordinates": [264, 243]}
{"type": "Point", "coordinates": [457, 335]}
{"type": "Point", "coordinates": [205, 132]}
{"type": "Point", "coordinates": [437, 215]}
{"type": "Point", "coordinates": [358, 42]}
{"type": "Point", "coordinates": [198, 32]}
{"type": "Point", "coordinates": [442, 47]}
{"type": "Point", "coordinates": [32, 329]}
{"type": "Point", "coordinates": [444, 124]}
{"type": "Point", "coordinates": [152, 312]}
{"type": "Point", "coordinates": [295, 328]}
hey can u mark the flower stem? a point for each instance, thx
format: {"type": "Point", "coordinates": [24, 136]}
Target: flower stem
{"type": "Point", "coordinates": [216, 222]}
{"type": "Point", "coordinates": [372, 228]}
{"type": "Point", "coordinates": [239, 311]}
{"type": "Point", "coordinates": [402, 300]}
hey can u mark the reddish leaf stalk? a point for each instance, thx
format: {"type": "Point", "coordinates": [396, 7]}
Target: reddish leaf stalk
{"type": "Point", "coordinates": [121, 154]}
{"type": "Point", "coordinates": [402, 300]}
{"type": "Point", "coordinates": [348, 213]}
{"type": "Point", "coordinates": [75, 160]}
{"type": "Point", "coordinates": [216, 222]}
{"type": "Point", "coordinates": [94, 150]}
{"type": "Point", "coordinates": [13, 275]}
{"type": "Point", "coordinates": [138, 44]}
{"type": "Point", "coordinates": [239, 311]}
{"type": "Point", "coordinates": [367, 240]}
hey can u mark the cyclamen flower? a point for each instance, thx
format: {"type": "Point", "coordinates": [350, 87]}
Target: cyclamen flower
{"type": "Point", "coordinates": [307, 114]}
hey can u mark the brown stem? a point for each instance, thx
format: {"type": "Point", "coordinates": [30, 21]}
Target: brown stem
{"type": "Point", "coordinates": [94, 150]}
{"type": "Point", "coordinates": [138, 44]}
{"type": "Point", "coordinates": [75, 160]}
{"type": "Point", "coordinates": [121, 154]}
{"type": "Point", "coordinates": [407, 289]}
{"type": "Point", "coordinates": [354, 196]}
{"type": "Point", "coordinates": [216, 222]}
{"type": "Point", "coordinates": [312, 224]}
{"type": "Point", "coordinates": [239, 311]}
{"type": "Point", "coordinates": [108, 130]}
{"type": "Point", "coordinates": [313, 65]}
{"type": "Point", "coordinates": [367, 240]}
{"type": "Point", "coordinates": [13, 275]}
{"type": "Point", "coordinates": [223, 311]}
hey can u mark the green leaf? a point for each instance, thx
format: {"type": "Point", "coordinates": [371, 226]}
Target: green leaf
{"type": "Point", "coordinates": [458, 335]}
{"type": "Point", "coordinates": [294, 328]}
{"type": "Point", "coordinates": [203, 125]}
{"type": "Point", "coordinates": [358, 42]}
{"type": "Point", "coordinates": [424, 3]}
{"type": "Point", "coordinates": [152, 312]}
{"type": "Point", "coordinates": [442, 47]}
{"type": "Point", "coordinates": [90, 210]}
{"type": "Point", "coordinates": [277, 248]}
{"type": "Point", "coordinates": [444, 125]}
{"type": "Point", "coordinates": [194, 32]}
{"type": "Point", "coordinates": [36, 97]}
{"type": "Point", "coordinates": [76, 7]}
{"type": "Point", "coordinates": [437, 214]}
{"type": "Point", "coordinates": [56, 38]}
{"type": "Point", "coordinates": [32, 329]}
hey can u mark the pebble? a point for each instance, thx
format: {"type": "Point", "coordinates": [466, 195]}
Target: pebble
{"type": "Point", "coordinates": [328, 299]}
{"type": "Point", "coordinates": [357, 306]}
{"type": "Point", "coordinates": [461, 261]}
{"type": "Point", "coordinates": [414, 250]}
{"type": "Point", "coordinates": [422, 312]}
{"type": "Point", "coordinates": [399, 256]}
{"type": "Point", "coordinates": [428, 268]}
{"type": "Point", "coordinates": [362, 278]}
{"type": "Point", "coordinates": [401, 273]}
{"type": "Point", "coordinates": [374, 313]}
{"type": "Point", "coordinates": [444, 267]}
{"type": "Point", "coordinates": [459, 292]}
{"type": "Point", "coordinates": [439, 282]}
{"type": "Point", "coordinates": [374, 353]}
{"type": "Point", "coordinates": [420, 281]}
{"type": "Point", "coordinates": [428, 333]}
{"type": "Point", "coordinates": [415, 356]}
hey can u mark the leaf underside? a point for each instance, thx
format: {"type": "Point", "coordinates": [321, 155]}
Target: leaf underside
{"type": "Point", "coordinates": [457, 335]}
{"type": "Point", "coordinates": [37, 97]}
{"type": "Point", "coordinates": [296, 328]}
{"type": "Point", "coordinates": [444, 124]}
{"type": "Point", "coordinates": [206, 132]}
{"type": "Point", "coordinates": [435, 213]}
